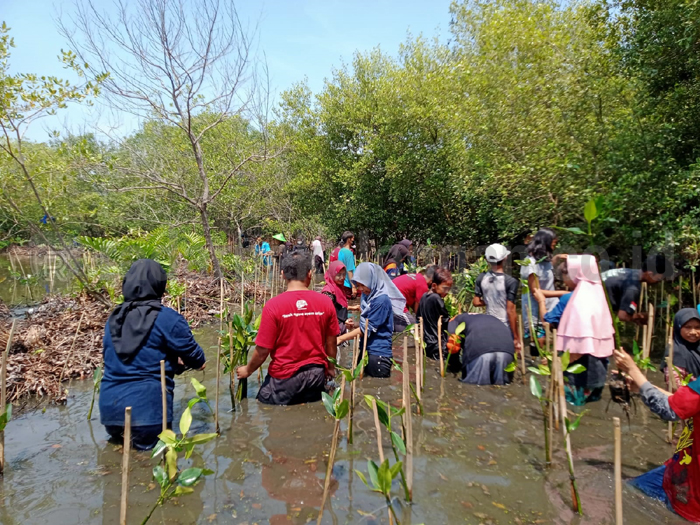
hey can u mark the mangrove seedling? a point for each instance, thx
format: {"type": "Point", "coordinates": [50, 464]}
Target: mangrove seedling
{"type": "Point", "coordinates": [350, 375]}
{"type": "Point", "coordinates": [172, 481]}
{"type": "Point", "coordinates": [398, 368]}
{"type": "Point", "coordinates": [96, 382]}
{"type": "Point", "coordinates": [536, 390]}
{"type": "Point", "coordinates": [570, 427]}
{"type": "Point", "coordinates": [235, 344]}
{"type": "Point", "coordinates": [386, 412]}
{"type": "Point", "coordinates": [338, 408]}
{"type": "Point", "coordinates": [380, 479]}
{"type": "Point", "coordinates": [5, 417]}
{"type": "Point", "coordinates": [454, 344]}
{"type": "Point", "coordinates": [641, 362]}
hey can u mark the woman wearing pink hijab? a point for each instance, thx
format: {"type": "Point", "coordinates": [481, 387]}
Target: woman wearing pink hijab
{"type": "Point", "coordinates": [584, 328]}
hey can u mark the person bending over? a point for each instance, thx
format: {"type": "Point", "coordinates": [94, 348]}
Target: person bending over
{"type": "Point", "coordinates": [298, 332]}
{"type": "Point", "coordinates": [412, 286]}
{"type": "Point", "coordinates": [624, 287]}
{"type": "Point", "coordinates": [497, 291]}
{"type": "Point", "coordinates": [487, 349]}
{"type": "Point", "coordinates": [379, 302]}
{"type": "Point", "coordinates": [139, 334]}
{"type": "Point", "coordinates": [431, 308]}
{"type": "Point", "coordinates": [397, 256]}
{"type": "Point", "coordinates": [677, 482]}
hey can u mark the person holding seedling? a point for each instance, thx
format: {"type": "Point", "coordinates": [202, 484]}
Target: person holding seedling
{"type": "Point", "coordinates": [380, 301]}
{"type": "Point", "coordinates": [487, 348]}
{"type": "Point", "coordinates": [538, 272]}
{"type": "Point", "coordinates": [677, 482]}
{"type": "Point", "coordinates": [335, 277]}
{"type": "Point", "coordinates": [584, 328]}
{"type": "Point", "coordinates": [412, 286]}
{"type": "Point", "coordinates": [686, 346]}
{"type": "Point", "coordinates": [431, 308]}
{"type": "Point", "coordinates": [139, 334]}
{"type": "Point", "coordinates": [397, 256]}
{"type": "Point", "coordinates": [497, 291]}
{"type": "Point", "coordinates": [298, 331]}
{"type": "Point", "coordinates": [624, 287]}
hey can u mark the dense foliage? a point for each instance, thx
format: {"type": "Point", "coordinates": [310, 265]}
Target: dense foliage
{"type": "Point", "coordinates": [529, 110]}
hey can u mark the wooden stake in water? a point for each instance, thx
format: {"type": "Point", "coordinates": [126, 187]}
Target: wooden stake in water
{"type": "Point", "coordinates": [3, 390]}
{"type": "Point", "coordinates": [379, 430]}
{"type": "Point", "coordinates": [351, 412]}
{"type": "Point", "coordinates": [331, 456]}
{"type": "Point", "coordinates": [125, 465]}
{"type": "Point", "coordinates": [618, 471]}
{"type": "Point", "coordinates": [242, 292]}
{"type": "Point", "coordinates": [416, 344]}
{"type": "Point", "coordinates": [649, 333]}
{"type": "Point", "coordinates": [164, 395]}
{"type": "Point", "coordinates": [522, 348]}
{"type": "Point", "coordinates": [364, 345]}
{"type": "Point", "coordinates": [422, 355]}
{"type": "Point", "coordinates": [407, 418]}
{"type": "Point", "coordinates": [218, 379]}
{"type": "Point", "coordinates": [439, 334]}
{"type": "Point", "coordinates": [671, 380]}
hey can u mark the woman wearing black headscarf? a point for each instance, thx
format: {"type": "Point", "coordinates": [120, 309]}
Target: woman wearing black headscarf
{"type": "Point", "coordinates": [394, 260]}
{"type": "Point", "coordinates": [686, 345]}
{"type": "Point", "coordinates": [140, 333]}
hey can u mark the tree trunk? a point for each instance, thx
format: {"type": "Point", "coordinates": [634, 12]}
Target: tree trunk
{"type": "Point", "coordinates": [210, 244]}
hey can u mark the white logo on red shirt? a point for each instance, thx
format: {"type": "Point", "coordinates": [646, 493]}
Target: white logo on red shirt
{"type": "Point", "coordinates": [633, 306]}
{"type": "Point", "coordinates": [301, 304]}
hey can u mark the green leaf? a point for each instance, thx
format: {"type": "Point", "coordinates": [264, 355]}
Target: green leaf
{"type": "Point", "coordinates": [192, 402]}
{"type": "Point", "coordinates": [535, 387]}
{"type": "Point", "coordinates": [342, 409]}
{"type": "Point", "coordinates": [373, 476]}
{"type": "Point", "coordinates": [460, 328]}
{"type": "Point", "coordinates": [328, 403]}
{"type": "Point", "coordinates": [180, 490]}
{"type": "Point", "coordinates": [384, 477]}
{"type": "Point", "coordinates": [565, 358]}
{"type": "Point", "coordinates": [511, 367]}
{"type": "Point", "coordinates": [171, 462]}
{"type": "Point", "coordinates": [398, 443]}
{"type": "Point", "coordinates": [199, 388]}
{"type": "Point", "coordinates": [189, 450]}
{"type": "Point", "coordinates": [635, 349]}
{"type": "Point", "coordinates": [395, 469]}
{"type": "Point", "coordinates": [363, 479]}
{"type": "Point", "coordinates": [570, 427]}
{"type": "Point", "coordinates": [160, 447]}
{"type": "Point", "coordinates": [577, 231]}
{"type": "Point", "coordinates": [185, 421]}
{"type": "Point", "coordinates": [160, 476]}
{"type": "Point", "coordinates": [168, 437]}
{"type": "Point", "coordinates": [199, 439]}
{"type": "Point", "coordinates": [576, 368]}
{"type": "Point", "coordinates": [590, 211]}
{"type": "Point", "coordinates": [189, 476]}
{"type": "Point", "coordinates": [534, 370]}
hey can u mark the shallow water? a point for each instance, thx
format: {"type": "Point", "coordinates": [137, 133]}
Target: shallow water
{"type": "Point", "coordinates": [478, 459]}
{"type": "Point", "coordinates": [27, 280]}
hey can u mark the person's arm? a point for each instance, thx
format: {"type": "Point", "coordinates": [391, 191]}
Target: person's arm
{"type": "Point", "coordinates": [513, 322]}
{"type": "Point", "coordinates": [628, 307]}
{"type": "Point", "coordinates": [533, 283]}
{"type": "Point", "coordinates": [478, 299]}
{"type": "Point", "coordinates": [256, 361]}
{"type": "Point", "coordinates": [551, 293]}
{"type": "Point", "coordinates": [349, 336]}
{"type": "Point", "coordinates": [332, 352]}
{"type": "Point", "coordinates": [181, 342]}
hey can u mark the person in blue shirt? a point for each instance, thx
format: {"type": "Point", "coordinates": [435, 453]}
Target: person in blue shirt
{"type": "Point", "coordinates": [140, 333]}
{"type": "Point", "coordinates": [380, 300]}
{"type": "Point", "coordinates": [347, 257]}
{"type": "Point", "coordinates": [262, 248]}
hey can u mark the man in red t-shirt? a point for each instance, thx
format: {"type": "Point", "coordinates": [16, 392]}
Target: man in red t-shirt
{"type": "Point", "coordinates": [298, 331]}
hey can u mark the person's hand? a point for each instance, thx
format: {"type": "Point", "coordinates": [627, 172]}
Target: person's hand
{"type": "Point", "coordinates": [330, 371]}
{"type": "Point", "coordinates": [203, 366]}
{"type": "Point", "coordinates": [538, 295]}
{"type": "Point", "coordinates": [350, 323]}
{"type": "Point", "coordinates": [632, 385]}
{"type": "Point", "coordinates": [242, 372]}
{"type": "Point", "coordinates": [641, 319]}
{"type": "Point", "coordinates": [518, 346]}
{"type": "Point", "coordinates": [623, 361]}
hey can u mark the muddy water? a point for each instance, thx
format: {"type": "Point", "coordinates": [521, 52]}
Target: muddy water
{"type": "Point", "coordinates": [478, 460]}
{"type": "Point", "coordinates": [27, 280]}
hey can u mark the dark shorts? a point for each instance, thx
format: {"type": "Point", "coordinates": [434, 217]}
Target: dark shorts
{"type": "Point", "coordinates": [306, 386]}
{"type": "Point", "coordinates": [488, 369]}
{"type": "Point", "coordinates": [318, 263]}
{"type": "Point", "coordinates": [142, 438]}
{"type": "Point", "coordinates": [401, 322]}
{"type": "Point", "coordinates": [378, 366]}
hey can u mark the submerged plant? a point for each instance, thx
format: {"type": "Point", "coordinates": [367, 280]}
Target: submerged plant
{"type": "Point", "coordinates": [235, 344]}
{"type": "Point", "coordinates": [172, 481]}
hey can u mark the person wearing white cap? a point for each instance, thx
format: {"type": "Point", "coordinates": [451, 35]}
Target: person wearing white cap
{"type": "Point", "coordinates": [497, 291]}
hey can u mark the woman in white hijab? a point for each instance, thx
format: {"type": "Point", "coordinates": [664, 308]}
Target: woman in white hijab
{"type": "Point", "coordinates": [381, 299]}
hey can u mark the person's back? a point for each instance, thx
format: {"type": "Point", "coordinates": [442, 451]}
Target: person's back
{"type": "Point", "coordinates": [346, 256]}
{"type": "Point", "coordinates": [624, 288]}
{"type": "Point", "coordinates": [496, 289]}
{"type": "Point", "coordinates": [334, 254]}
{"type": "Point", "coordinates": [412, 286]}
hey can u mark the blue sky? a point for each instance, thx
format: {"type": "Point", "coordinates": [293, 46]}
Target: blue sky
{"type": "Point", "coordinates": [300, 38]}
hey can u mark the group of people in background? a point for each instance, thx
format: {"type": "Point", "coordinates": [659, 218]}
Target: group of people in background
{"type": "Point", "coordinates": [301, 330]}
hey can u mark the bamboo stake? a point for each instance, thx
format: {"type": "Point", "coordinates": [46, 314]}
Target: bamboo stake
{"type": "Point", "coordinates": [422, 355]}
{"type": "Point", "coordinates": [416, 344]}
{"type": "Point", "coordinates": [649, 334]}
{"type": "Point", "coordinates": [218, 379]}
{"type": "Point", "coordinates": [364, 346]}
{"type": "Point", "coordinates": [125, 465]}
{"type": "Point", "coordinates": [242, 293]}
{"type": "Point", "coordinates": [351, 414]}
{"type": "Point", "coordinates": [408, 419]}
{"type": "Point", "coordinates": [439, 330]}
{"type": "Point", "coordinates": [671, 380]}
{"type": "Point", "coordinates": [331, 457]}
{"type": "Point", "coordinates": [3, 391]}
{"type": "Point", "coordinates": [164, 396]}
{"type": "Point", "coordinates": [618, 471]}
{"type": "Point", "coordinates": [522, 348]}
{"type": "Point", "coordinates": [232, 371]}
{"type": "Point", "coordinates": [562, 394]}
{"type": "Point", "coordinates": [379, 430]}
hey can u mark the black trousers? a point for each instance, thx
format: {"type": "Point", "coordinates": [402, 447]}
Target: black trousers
{"type": "Point", "coordinates": [306, 386]}
{"type": "Point", "coordinates": [142, 437]}
{"type": "Point", "coordinates": [378, 366]}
